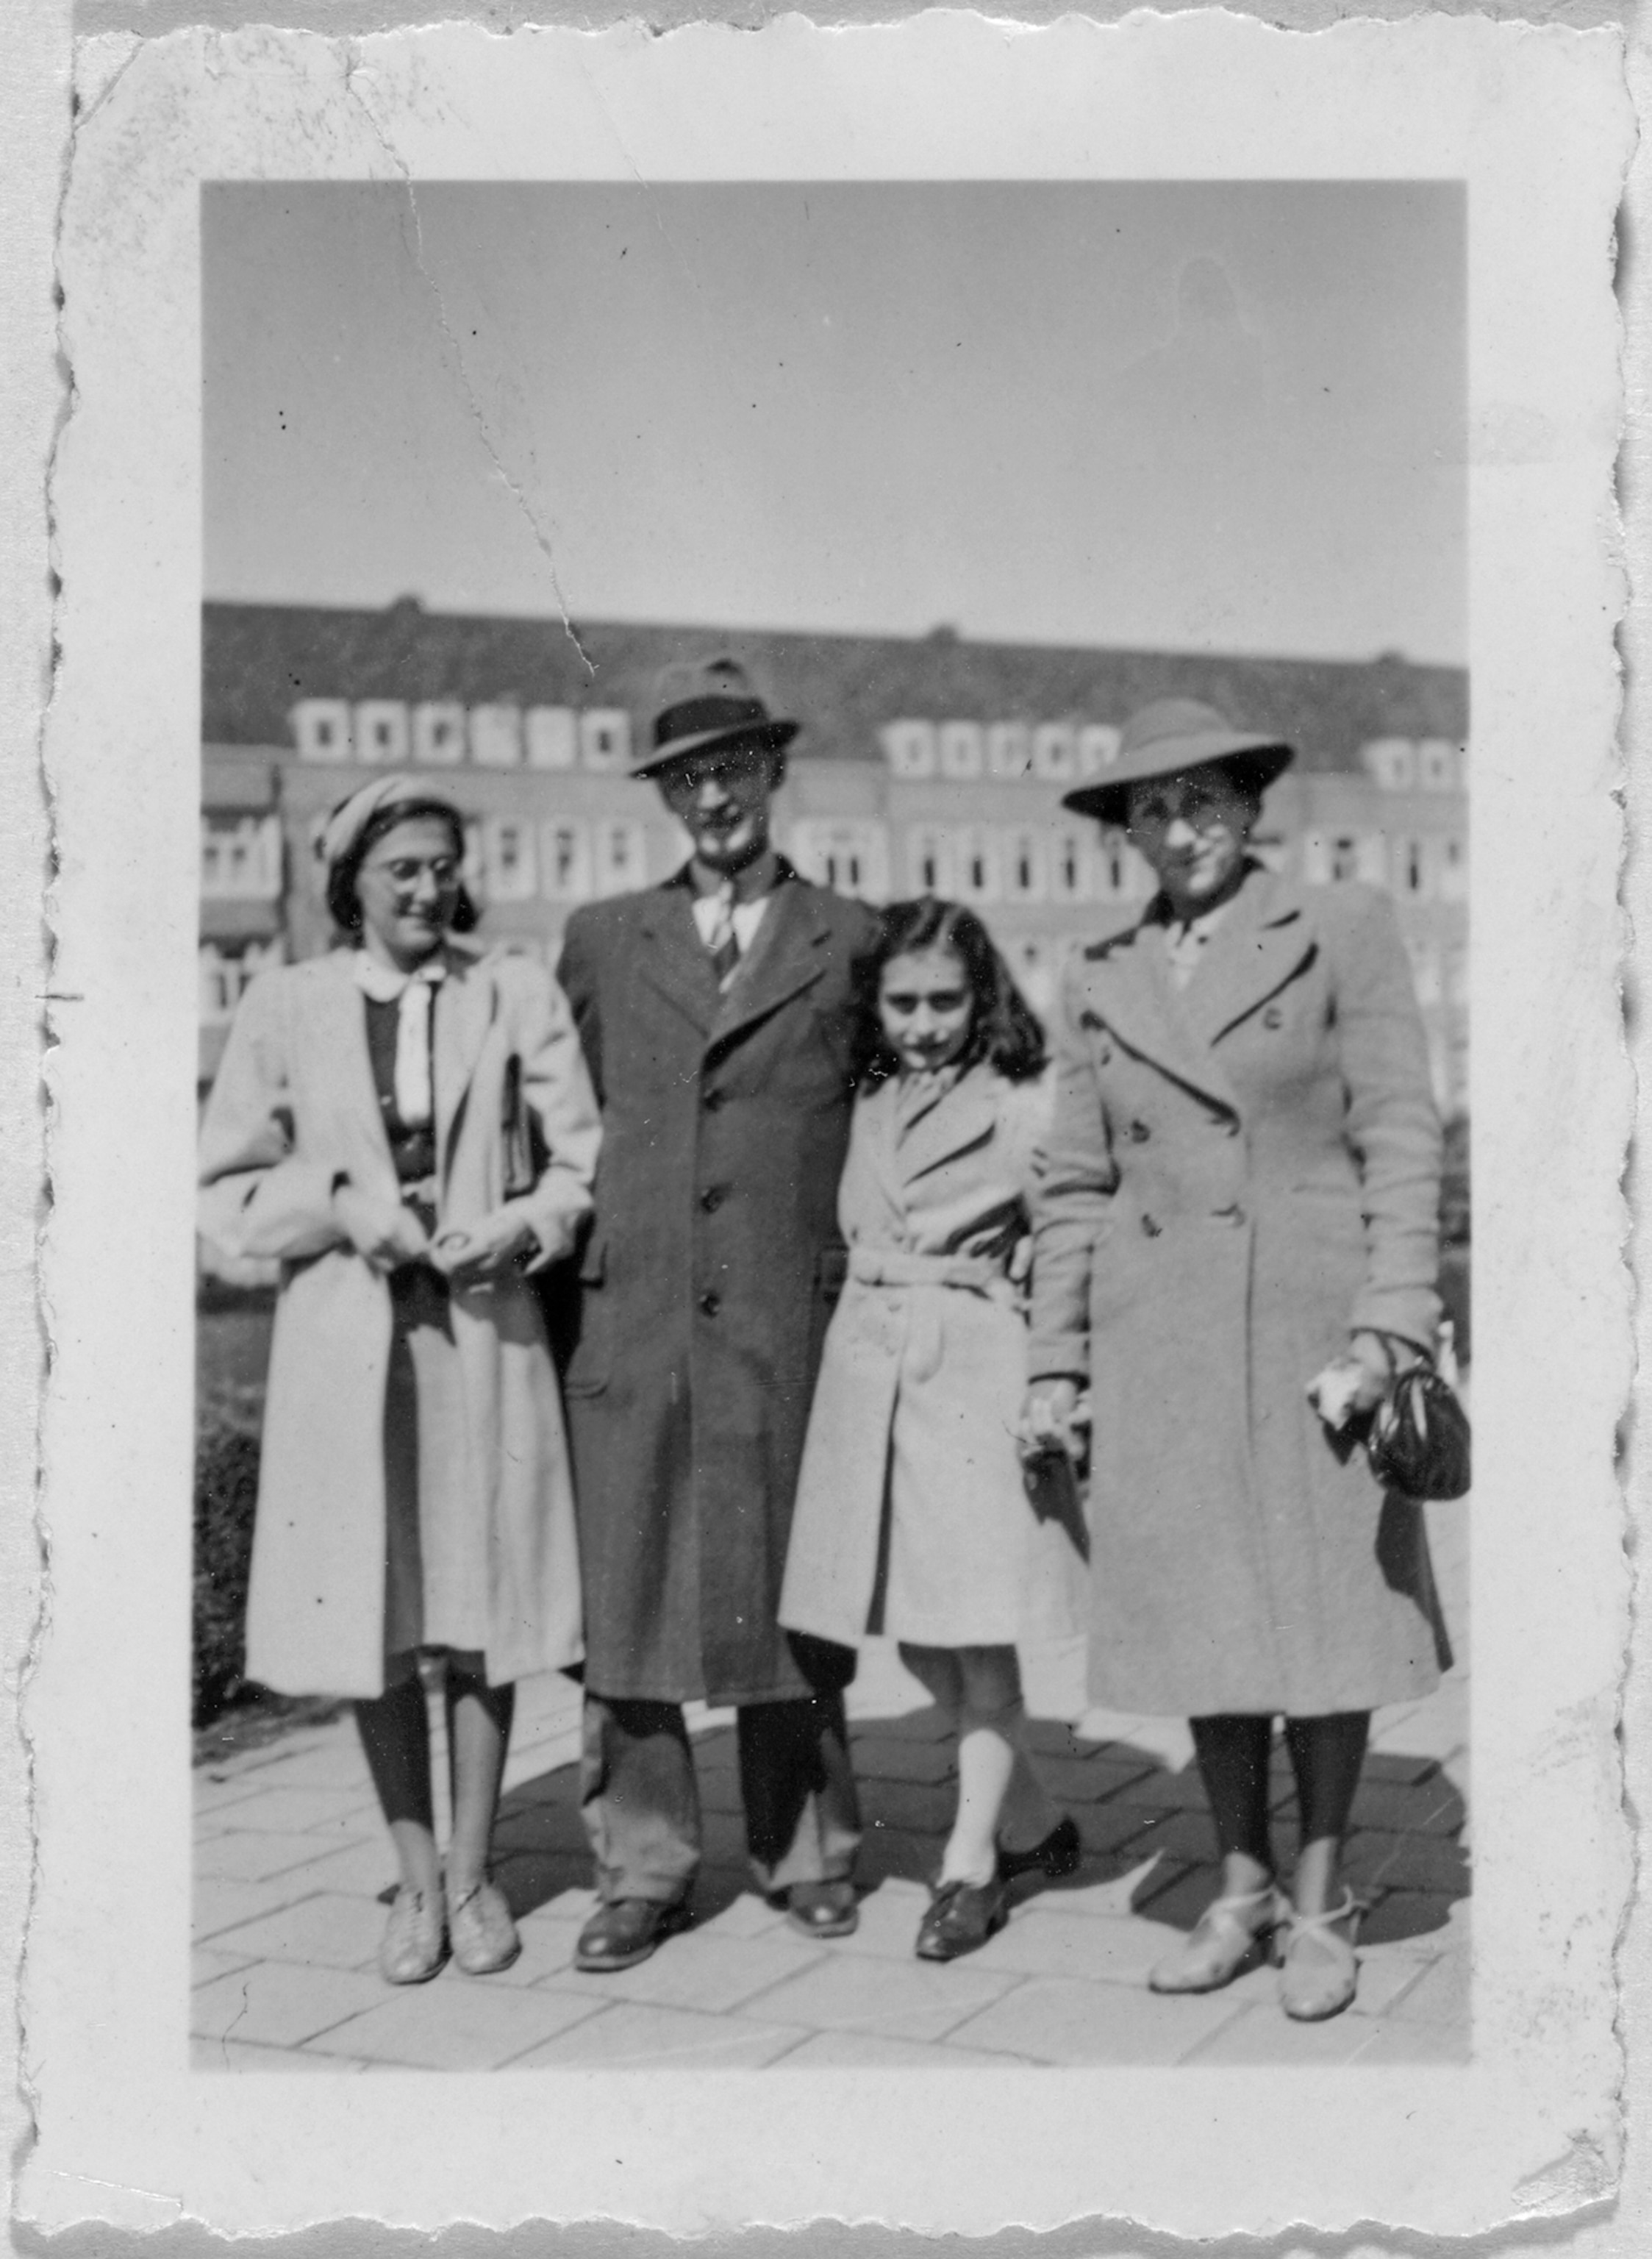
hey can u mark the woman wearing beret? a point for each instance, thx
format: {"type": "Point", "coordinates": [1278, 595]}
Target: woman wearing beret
{"type": "Point", "coordinates": [1240, 1204]}
{"type": "Point", "coordinates": [409, 1126]}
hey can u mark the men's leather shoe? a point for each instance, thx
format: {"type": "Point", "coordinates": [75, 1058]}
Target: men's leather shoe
{"type": "Point", "coordinates": [1058, 1855]}
{"type": "Point", "coordinates": [625, 1931]}
{"type": "Point", "coordinates": [962, 1917]}
{"type": "Point", "coordinates": [822, 1909]}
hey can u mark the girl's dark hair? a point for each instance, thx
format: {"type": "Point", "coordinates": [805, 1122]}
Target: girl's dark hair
{"type": "Point", "coordinates": [342, 903]}
{"type": "Point", "coordinates": [1004, 1033]}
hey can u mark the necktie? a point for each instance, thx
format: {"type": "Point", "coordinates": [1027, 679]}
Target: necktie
{"type": "Point", "coordinates": [414, 996]}
{"type": "Point", "coordinates": [723, 940]}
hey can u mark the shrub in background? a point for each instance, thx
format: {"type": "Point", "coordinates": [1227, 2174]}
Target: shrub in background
{"type": "Point", "coordinates": [225, 1492]}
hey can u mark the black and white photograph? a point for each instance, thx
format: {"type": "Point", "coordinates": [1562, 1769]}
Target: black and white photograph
{"type": "Point", "coordinates": [835, 1276]}
{"type": "Point", "coordinates": [834, 1062]}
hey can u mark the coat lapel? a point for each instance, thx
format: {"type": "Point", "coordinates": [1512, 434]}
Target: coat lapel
{"type": "Point", "coordinates": [1137, 1001]}
{"type": "Point", "coordinates": [465, 1009]}
{"type": "Point", "coordinates": [966, 1118]}
{"type": "Point", "coordinates": [673, 958]}
{"type": "Point", "coordinates": [788, 955]}
{"type": "Point", "coordinates": [338, 1025]}
{"type": "Point", "coordinates": [1261, 945]}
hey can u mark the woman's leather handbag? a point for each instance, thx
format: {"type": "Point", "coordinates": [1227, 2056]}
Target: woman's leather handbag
{"type": "Point", "coordinates": [1418, 1439]}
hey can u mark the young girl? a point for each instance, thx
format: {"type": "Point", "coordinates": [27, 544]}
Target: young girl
{"type": "Point", "coordinates": [914, 1517]}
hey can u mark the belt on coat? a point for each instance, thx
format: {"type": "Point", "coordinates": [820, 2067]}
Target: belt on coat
{"type": "Point", "coordinates": [898, 1266]}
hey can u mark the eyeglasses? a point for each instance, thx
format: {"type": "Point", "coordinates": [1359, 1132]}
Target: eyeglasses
{"type": "Point", "coordinates": [1203, 808]}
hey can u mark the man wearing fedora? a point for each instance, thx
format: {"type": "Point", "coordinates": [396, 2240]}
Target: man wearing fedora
{"type": "Point", "coordinates": [716, 1013]}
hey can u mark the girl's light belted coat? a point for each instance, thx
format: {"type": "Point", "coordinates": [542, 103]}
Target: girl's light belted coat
{"type": "Point", "coordinates": [294, 1106]}
{"type": "Point", "coordinates": [1240, 1174]}
{"type": "Point", "coordinates": [919, 1391]}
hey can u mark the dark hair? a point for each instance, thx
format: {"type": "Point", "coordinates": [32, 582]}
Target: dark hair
{"type": "Point", "coordinates": [1004, 1033]}
{"type": "Point", "coordinates": [343, 904]}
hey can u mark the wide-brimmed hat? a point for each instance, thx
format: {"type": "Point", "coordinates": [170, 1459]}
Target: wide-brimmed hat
{"type": "Point", "coordinates": [1170, 735]}
{"type": "Point", "coordinates": [710, 702]}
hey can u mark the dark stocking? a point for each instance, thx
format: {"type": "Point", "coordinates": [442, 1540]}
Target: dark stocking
{"type": "Point", "coordinates": [1326, 1755]}
{"type": "Point", "coordinates": [395, 1733]}
{"type": "Point", "coordinates": [1233, 1763]}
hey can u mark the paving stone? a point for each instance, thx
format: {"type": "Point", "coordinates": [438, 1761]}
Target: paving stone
{"type": "Point", "coordinates": [220, 1905]}
{"type": "Point", "coordinates": [541, 1828]}
{"type": "Point", "coordinates": [1406, 1862]}
{"type": "Point", "coordinates": [1118, 1893]}
{"type": "Point", "coordinates": [329, 1930]}
{"type": "Point", "coordinates": [889, 1919]}
{"type": "Point", "coordinates": [1443, 1995]}
{"type": "Point", "coordinates": [885, 1757]}
{"type": "Point", "coordinates": [215, 1791]}
{"type": "Point", "coordinates": [1040, 1943]}
{"type": "Point", "coordinates": [1079, 2020]}
{"type": "Point", "coordinates": [1387, 1974]}
{"type": "Point", "coordinates": [698, 1970]}
{"type": "Point", "coordinates": [1400, 1915]}
{"type": "Point", "coordinates": [1265, 2034]}
{"type": "Point", "coordinates": [1175, 1895]}
{"type": "Point", "coordinates": [1186, 1836]}
{"type": "Point", "coordinates": [333, 1812]}
{"type": "Point", "coordinates": [910, 2000]}
{"type": "Point", "coordinates": [458, 2023]}
{"type": "Point", "coordinates": [915, 1804]}
{"type": "Point", "coordinates": [336, 1764]}
{"type": "Point", "coordinates": [1396, 2042]}
{"type": "Point", "coordinates": [530, 1879]}
{"type": "Point", "coordinates": [279, 2003]}
{"type": "Point", "coordinates": [1430, 1808]}
{"type": "Point", "coordinates": [630, 2037]}
{"type": "Point", "coordinates": [207, 1963]}
{"type": "Point", "coordinates": [1109, 1827]}
{"type": "Point", "coordinates": [238, 2054]}
{"type": "Point", "coordinates": [363, 1870]}
{"type": "Point", "coordinates": [547, 1950]}
{"type": "Point", "coordinates": [573, 1905]}
{"type": "Point", "coordinates": [1388, 1768]}
{"type": "Point", "coordinates": [747, 1915]}
{"type": "Point", "coordinates": [892, 1853]}
{"type": "Point", "coordinates": [925, 1723]}
{"type": "Point", "coordinates": [864, 2051]}
{"type": "Point", "coordinates": [246, 1856]}
{"type": "Point", "coordinates": [1150, 1786]}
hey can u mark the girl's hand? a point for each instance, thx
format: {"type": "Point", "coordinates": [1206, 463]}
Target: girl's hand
{"type": "Point", "coordinates": [1051, 1415]}
{"type": "Point", "coordinates": [383, 1233]}
{"type": "Point", "coordinates": [476, 1259]}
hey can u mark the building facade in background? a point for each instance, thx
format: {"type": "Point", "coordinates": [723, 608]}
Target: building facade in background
{"type": "Point", "coordinates": [926, 764]}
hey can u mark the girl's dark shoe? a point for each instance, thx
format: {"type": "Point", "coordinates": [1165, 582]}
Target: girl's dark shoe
{"type": "Point", "coordinates": [827, 1909]}
{"type": "Point", "coordinates": [962, 1917]}
{"type": "Point", "coordinates": [1057, 1855]}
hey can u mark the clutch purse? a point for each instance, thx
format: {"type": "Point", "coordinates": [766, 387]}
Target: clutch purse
{"type": "Point", "coordinates": [1418, 1441]}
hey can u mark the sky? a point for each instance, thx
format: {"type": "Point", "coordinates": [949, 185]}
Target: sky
{"type": "Point", "coordinates": [1172, 416]}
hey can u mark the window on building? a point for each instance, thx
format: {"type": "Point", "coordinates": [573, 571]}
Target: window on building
{"type": "Point", "coordinates": [1067, 857]}
{"type": "Point", "coordinates": [850, 856]}
{"type": "Point", "coordinates": [1454, 870]}
{"type": "Point", "coordinates": [909, 746]}
{"type": "Point", "coordinates": [226, 974]}
{"type": "Point", "coordinates": [1392, 762]}
{"type": "Point", "coordinates": [381, 732]}
{"type": "Point", "coordinates": [619, 862]}
{"type": "Point", "coordinates": [1055, 754]}
{"type": "Point", "coordinates": [321, 729]}
{"type": "Point", "coordinates": [1008, 749]}
{"type": "Point", "coordinates": [1098, 748]}
{"type": "Point", "coordinates": [978, 877]}
{"type": "Point", "coordinates": [474, 870]}
{"type": "Point", "coordinates": [552, 736]}
{"type": "Point", "coordinates": [1316, 858]}
{"type": "Point", "coordinates": [1035, 973]}
{"type": "Point", "coordinates": [507, 859]}
{"type": "Point", "coordinates": [605, 739]}
{"type": "Point", "coordinates": [564, 862]}
{"type": "Point", "coordinates": [439, 734]}
{"type": "Point", "coordinates": [1114, 871]}
{"type": "Point", "coordinates": [1411, 874]}
{"type": "Point", "coordinates": [929, 863]}
{"type": "Point", "coordinates": [496, 735]}
{"type": "Point", "coordinates": [963, 750]}
{"type": "Point", "coordinates": [1344, 856]}
{"type": "Point", "coordinates": [240, 857]}
{"type": "Point", "coordinates": [1437, 764]}
{"type": "Point", "coordinates": [1024, 866]}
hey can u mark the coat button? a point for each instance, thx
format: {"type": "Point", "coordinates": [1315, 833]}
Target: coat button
{"type": "Point", "coordinates": [1230, 1128]}
{"type": "Point", "coordinates": [1232, 1214]}
{"type": "Point", "coordinates": [1151, 1226]}
{"type": "Point", "coordinates": [712, 1199]}
{"type": "Point", "coordinates": [713, 1100]}
{"type": "Point", "coordinates": [1273, 1017]}
{"type": "Point", "coordinates": [1139, 1133]}
{"type": "Point", "coordinates": [710, 1303]}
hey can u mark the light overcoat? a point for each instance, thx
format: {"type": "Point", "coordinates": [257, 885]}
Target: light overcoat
{"type": "Point", "coordinates": [709, 1278]}
{"type": "Point", "coordinates": [293, 1107]}
{"type": "Point", "coordinates": [912, 1487]}
{"type": "Point", "coordinates": [1240, 1173]}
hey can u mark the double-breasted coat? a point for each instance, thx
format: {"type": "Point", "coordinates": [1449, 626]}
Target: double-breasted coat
{"type": "Point", "coordinates": [293, 1108]}
{"type": "Point", "coordinates": [913, 1507]}
{"type": "Point", "coordinates": [705, 1285]}
{"type": "Point", "coordinates": [1240, 1173]}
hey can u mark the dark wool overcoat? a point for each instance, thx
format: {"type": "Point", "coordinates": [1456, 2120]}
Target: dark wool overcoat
{"type": "Point", "coordinates": [1240, 1173]}
{"type": "Point", "coordinates": [706, 1285]}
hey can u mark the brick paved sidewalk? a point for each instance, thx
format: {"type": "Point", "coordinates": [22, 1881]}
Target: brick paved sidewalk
{"type": "Point", "coordinates": [292, 1859]}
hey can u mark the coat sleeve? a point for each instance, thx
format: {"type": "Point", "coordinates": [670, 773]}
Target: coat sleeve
{"type": "Point", "coordinates": [556, 1086]}
{"type": "Point", "coordinates": [1075, 1180]}
{"type": "Point", "coordinates": [576, 972]}
{"type": "Point", "coordinates": [260, 1196]}
{"type": "Point", "coordinates": [1393, 1123]}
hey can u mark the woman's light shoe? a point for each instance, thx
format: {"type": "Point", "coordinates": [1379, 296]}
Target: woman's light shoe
{"type": "Point", "coordinates": [484, 1937]}
{"type": "Point", "coordinates": [415, 1943]}
{"type": "Point", "coordinates": [1319, 1970]}
{"type": "Point", "coordinates": [1230, 1935]}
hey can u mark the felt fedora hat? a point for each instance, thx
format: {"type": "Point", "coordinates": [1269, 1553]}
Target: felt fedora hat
{"type": "Point", "coordinates": [1170, 735]}
{"type": "Point", "coordinates": [711, 702]}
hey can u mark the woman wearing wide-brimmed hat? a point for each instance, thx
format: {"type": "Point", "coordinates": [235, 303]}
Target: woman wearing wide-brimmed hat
{"type": "Point", "coordinates": [1241, 1199]}
{"type": "Point", "coordinates": [409, 1126]}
